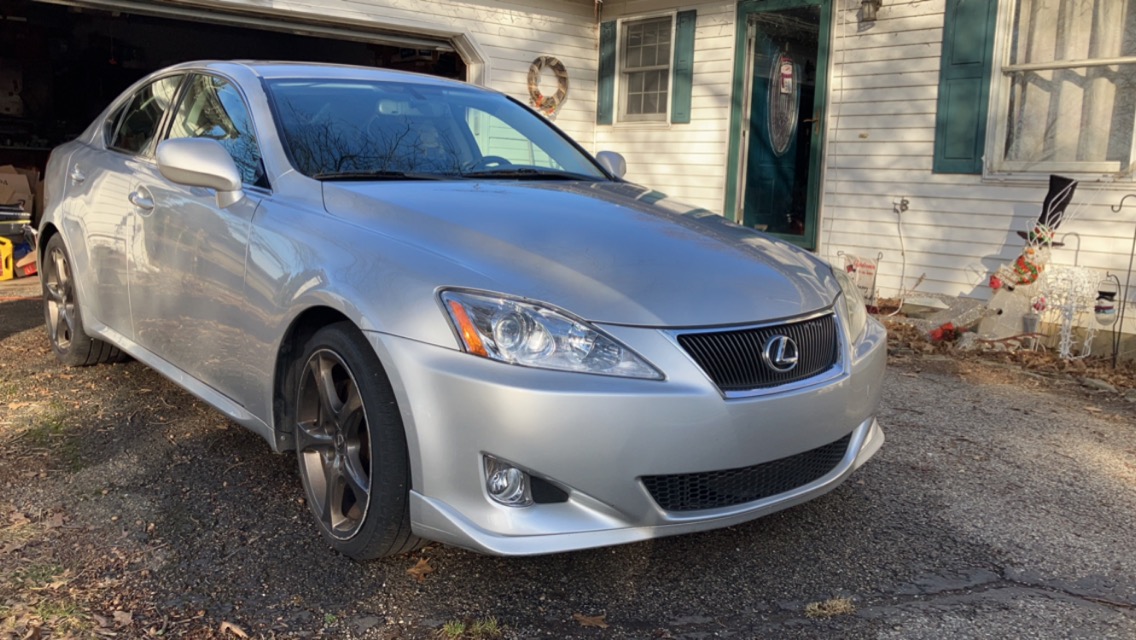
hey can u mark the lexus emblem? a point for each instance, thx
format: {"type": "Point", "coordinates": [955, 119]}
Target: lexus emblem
{"type": "Point", "coordinates": [780, 353]}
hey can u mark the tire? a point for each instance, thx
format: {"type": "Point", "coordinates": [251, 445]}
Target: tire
{"type": "Point", "coordinates": [62, 313]}
{"type": "Point", "coordinates": [351, 446]}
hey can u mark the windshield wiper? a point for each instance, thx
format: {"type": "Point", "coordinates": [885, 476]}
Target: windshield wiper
{"type": "Point", "coordinates": [376, 175]}
{"type": "Point", "coordinates": [527, 173]}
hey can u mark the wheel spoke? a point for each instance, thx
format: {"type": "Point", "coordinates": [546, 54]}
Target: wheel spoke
{"type": "Point", "coordinates": [356, 478]}
{"type": "Point", "coordinates": [54, 293]}
{"type": "Point", "coordinates": [309, 437]}
{"type": "Point", "coordinates": [63, 326]}
{"type": "Point", "coordinates": [322, 369]}
{"type": "Point", "coordinates": [332, 511]}
{"type": "Point", "coordinates": [353, 405]}
{"type": "Point", "coordinates": [53, 320]}
{"type": "Point", "coordinates": [62, 275]}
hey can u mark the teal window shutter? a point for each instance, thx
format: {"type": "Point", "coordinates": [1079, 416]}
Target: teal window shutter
{"type": "Point", "coordinates": [964, 85]}
{"type": "Point", "coordinates": [682, 74]}
{"type": "Point", "coordinates": [605, 83]}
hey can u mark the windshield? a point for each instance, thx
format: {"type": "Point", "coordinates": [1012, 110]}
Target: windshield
{"type": "Point", "coordinates": [360, 129]}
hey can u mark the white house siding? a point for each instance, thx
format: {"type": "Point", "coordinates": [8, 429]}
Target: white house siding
{"type": "Point", "coordinates": [686, 161]}
{"type": "Point", "coordinates": [509, 35]}
{"type": "Point", "coordinates": [880, 139]}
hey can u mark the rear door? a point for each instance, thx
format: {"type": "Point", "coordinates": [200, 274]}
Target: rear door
{"type": "Point", "coordinates": [99, 214]}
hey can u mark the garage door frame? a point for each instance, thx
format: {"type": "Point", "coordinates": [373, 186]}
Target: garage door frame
{"type": "Point", "coordinates": [400, 33]}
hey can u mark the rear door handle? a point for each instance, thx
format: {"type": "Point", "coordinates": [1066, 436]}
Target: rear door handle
{"type": "Point", "coordinates": [77, 175]}
{"type": "Point", "coordinates": [141, 199]}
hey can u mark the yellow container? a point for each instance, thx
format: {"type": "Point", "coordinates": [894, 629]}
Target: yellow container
{"type": "Point", "coordinates": [7, 263]}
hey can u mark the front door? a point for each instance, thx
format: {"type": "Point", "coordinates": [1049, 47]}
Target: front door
{"type": "Point", "coordinates": [778, 142]}
{"type": "Point", "coordinates": [187, 278]}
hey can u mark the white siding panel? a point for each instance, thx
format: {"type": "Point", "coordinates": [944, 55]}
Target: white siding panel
{"type": "Point", "coordinates": [889, 104]}
{"type": "Point", "coordinates": [686, 161]}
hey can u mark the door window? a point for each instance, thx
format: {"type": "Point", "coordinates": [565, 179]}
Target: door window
{"type": "Point", "coordinates": [213, 108]}
{"type": "Point", "coordinates": [138, 121]}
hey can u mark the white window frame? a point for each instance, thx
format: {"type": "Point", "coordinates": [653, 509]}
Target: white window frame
{"type": "Point", "coordinates": [621, 88]}
{"type": "Point", "coordinates": [998, 116]}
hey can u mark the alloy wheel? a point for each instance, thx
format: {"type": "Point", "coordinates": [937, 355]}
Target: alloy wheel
{"type": "Point", "coordinates": [60, 299]}
{"type": "Point", "coordinates": [334, 444]}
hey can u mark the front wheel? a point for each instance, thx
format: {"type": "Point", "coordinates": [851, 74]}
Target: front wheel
{"type": "Point", "coordinates": [351, 446]}
{"type": "Point", "coordinates": [62, 315]}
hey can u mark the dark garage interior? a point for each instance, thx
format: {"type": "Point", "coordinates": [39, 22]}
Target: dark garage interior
{"type": "Point", "coordinates": [60, 65]}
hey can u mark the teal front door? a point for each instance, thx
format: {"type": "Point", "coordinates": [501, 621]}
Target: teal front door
{"type": "Point", "coordinates": [778, 139]}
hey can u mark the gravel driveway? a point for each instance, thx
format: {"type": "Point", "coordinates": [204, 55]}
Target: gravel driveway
{"type": "Point", "coordinates": [1002, 505]}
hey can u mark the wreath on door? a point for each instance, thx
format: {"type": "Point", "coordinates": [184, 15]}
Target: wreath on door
{"type": "Point", "coordinates": [548, 105]}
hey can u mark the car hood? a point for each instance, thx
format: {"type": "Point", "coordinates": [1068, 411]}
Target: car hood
{"type": "Point", "coordinates": [608, 252]}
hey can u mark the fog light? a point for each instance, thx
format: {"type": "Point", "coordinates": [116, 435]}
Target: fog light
{"type": "Point", "coordinates": [507, 484]}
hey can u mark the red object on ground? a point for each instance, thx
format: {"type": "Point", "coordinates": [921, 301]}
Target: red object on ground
{"type": "Point", "coordinates": [944, 332]}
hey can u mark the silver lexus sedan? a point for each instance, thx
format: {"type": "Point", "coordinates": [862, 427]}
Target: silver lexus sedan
{"type": "Point", "coordinates": [467, 328]}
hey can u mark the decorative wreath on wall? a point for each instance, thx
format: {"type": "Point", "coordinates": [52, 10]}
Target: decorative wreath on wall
{"type": "Point", "coordinates": [548, 105]}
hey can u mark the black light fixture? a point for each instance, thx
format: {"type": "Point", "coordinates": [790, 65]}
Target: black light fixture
{"type": "Point", "coordinates": [868, 9]}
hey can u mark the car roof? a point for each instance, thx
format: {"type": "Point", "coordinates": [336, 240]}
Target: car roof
{"type": "Point", "coordinates": [278, 69]}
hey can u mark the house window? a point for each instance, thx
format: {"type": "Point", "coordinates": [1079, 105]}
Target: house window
{"type": "Point", "coordinates": [645, 69]}
{"type": "Point", "coordinates": [1068, 92]}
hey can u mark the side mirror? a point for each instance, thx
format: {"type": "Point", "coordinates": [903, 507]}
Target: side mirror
{"type": "Point", "coordinates": [201, 162]}
{"type": "Point", "coordinates": [613, 162]}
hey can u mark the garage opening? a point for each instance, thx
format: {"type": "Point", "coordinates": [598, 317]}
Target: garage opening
{"type": "Point", "coordinates": [60, 65]}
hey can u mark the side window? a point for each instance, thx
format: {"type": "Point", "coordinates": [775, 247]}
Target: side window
{"type": "Point", "coordinates": [213, 108]}
{"type": "Point", "coordinates": [111, 124]}
{"type": "Point", "coordinates": [143, 113]}
{"type": "Point", "coordinates": [645, 69]}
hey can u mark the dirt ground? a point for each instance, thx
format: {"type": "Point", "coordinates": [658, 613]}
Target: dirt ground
{"type": "Point", "coordinates": [129, 509]}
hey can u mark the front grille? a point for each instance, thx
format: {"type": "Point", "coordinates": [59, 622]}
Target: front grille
{"type": "Point", "coordinates": [717, 489]}
{"type": "Point", "coordinates": [733, 359]}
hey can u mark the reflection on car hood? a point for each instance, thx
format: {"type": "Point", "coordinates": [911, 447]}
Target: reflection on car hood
{"type": "Point", "coordinates": [609, 252]}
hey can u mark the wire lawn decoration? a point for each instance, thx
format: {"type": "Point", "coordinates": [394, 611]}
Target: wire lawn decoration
{"type": "Point", "coordinates": [1068, 293]}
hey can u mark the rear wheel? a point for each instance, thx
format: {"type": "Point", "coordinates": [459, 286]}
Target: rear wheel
{"type": "Point", "coordinates": [351, 446]}
{"type": "Point", "coordinates": [62, 315]}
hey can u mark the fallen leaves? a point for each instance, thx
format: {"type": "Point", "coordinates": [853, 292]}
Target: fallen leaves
{"type": "Point", "coordinates": [123, 618]}
{"type": "Point", "coordinates": [598, 622]}
{"type": "Point", "coordinates": [421, 569]}
{"type": "Point", "coordinates": [233, 629]}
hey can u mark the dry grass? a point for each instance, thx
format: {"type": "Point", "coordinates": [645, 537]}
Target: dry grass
{"type": "Point", "coordinates": [830, 608]}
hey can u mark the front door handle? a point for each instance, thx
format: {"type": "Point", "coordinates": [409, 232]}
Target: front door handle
{"type": "Point", "coordinates": [77, 175]}
{"type": "Point", "coordinates": [141, 199]}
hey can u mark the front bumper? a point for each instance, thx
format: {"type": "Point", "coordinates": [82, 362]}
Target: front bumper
{"type": "Point", "coordinates": [596, 436]}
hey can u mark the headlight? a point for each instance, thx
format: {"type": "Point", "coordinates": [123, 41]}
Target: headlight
{"type": "Point", "coordinates": [855, 313]}
{"type": "Point", "coordinates": [533, 335]}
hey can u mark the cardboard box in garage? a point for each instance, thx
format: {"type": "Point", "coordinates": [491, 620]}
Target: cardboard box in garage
{"type": "Point", "coordinates": [19, 185]}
